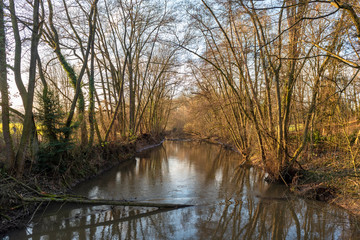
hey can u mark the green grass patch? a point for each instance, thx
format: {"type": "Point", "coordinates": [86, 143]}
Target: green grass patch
{"type": "Point", "coordinates": [13, 127]}
{"type": "Point", "coordinates": [293, 127]}
{"type": "Point", "coordinates": [18, 127]}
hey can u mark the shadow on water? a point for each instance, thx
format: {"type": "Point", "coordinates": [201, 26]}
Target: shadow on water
{"type": "Point", "coordinates": [231, 202]}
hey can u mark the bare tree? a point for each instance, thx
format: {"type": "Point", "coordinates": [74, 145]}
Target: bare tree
{"type": "Point", "coordinates": [52, 38]}
{"type": "Point", "coordinates": [28, 119]}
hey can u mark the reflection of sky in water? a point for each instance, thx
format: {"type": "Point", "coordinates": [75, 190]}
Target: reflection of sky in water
{"type": "Point", "coordinates": [229, 203]}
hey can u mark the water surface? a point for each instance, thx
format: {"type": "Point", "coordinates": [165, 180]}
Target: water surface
{"type": "Point", "coordinates": [230, 202]}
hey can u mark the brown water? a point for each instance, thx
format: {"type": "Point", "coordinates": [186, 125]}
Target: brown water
{"type": "Point", "coordinates": [230, 202]}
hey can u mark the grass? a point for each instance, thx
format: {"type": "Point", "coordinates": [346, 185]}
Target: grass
{"type": "Point", "coordinates": [293, 127]}
{"type": "Point", "coordinates": [13, 126]}
{"type": "Point", "coordinates": [18, 127]}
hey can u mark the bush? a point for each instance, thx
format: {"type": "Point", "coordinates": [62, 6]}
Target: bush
{"type": "Point", "coordinates": [55, 147]}
{"type": "Point", "coordinates": [53, 157]}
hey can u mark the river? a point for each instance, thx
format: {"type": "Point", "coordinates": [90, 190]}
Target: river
{"type": "Point", "coordinates": [230, 202]}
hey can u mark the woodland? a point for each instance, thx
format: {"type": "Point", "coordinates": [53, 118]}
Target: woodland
{"type": "Point", "coordinates": [85, 80]}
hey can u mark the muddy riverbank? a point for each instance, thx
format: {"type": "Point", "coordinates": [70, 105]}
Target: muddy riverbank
{"type": "Point", "coordinates": [14, 213]}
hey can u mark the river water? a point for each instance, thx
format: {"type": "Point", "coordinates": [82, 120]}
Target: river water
{"type": "Point", "coordinates": [230, 202]}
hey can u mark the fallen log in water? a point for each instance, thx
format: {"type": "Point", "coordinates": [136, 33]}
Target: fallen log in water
{"type": "Point", "coordinates": [40, 196]}
{"type": "Point", "coordinates": [65, 199]}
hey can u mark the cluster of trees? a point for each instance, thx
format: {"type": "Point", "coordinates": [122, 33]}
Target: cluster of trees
{"type": "Point", "coordinates": [272, 75]}
{"type": "Point", "coordinates": [269, 75]}
{"type": "Point", "coordinates": [87, 71]}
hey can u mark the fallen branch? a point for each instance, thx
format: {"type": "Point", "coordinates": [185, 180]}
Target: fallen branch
{"type": "Point", "coordinates": [24, 185]}
{"type": "Point", "coordinates": [103, 202]}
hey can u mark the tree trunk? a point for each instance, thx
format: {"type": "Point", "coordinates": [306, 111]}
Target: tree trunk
{"type": "Point", "coordinates": [132, 98]}
{"type": "Point", "coordinates": [92, 89]}
{"type": "Point", "coordinates": [28, 126]}
{"type": "Point", "coordinates": [10, 156]}
{"type": "Point", "coordinates": [17, 57]}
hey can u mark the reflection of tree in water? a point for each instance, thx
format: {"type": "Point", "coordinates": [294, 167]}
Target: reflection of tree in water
{"type": "Point", "coordinates": [154, 166]}
{"type": "Point", "coordinates": [84, 223]}
{"type": "Point", "coordinates": [271, 217]}
{"type": "Point", "coordinates": [207, 159]}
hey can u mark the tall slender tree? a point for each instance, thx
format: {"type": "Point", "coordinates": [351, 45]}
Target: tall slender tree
{"type": "Point", "coordinates": [10, 156]}
{"type": "Point", "coordinates": [28, 119]}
